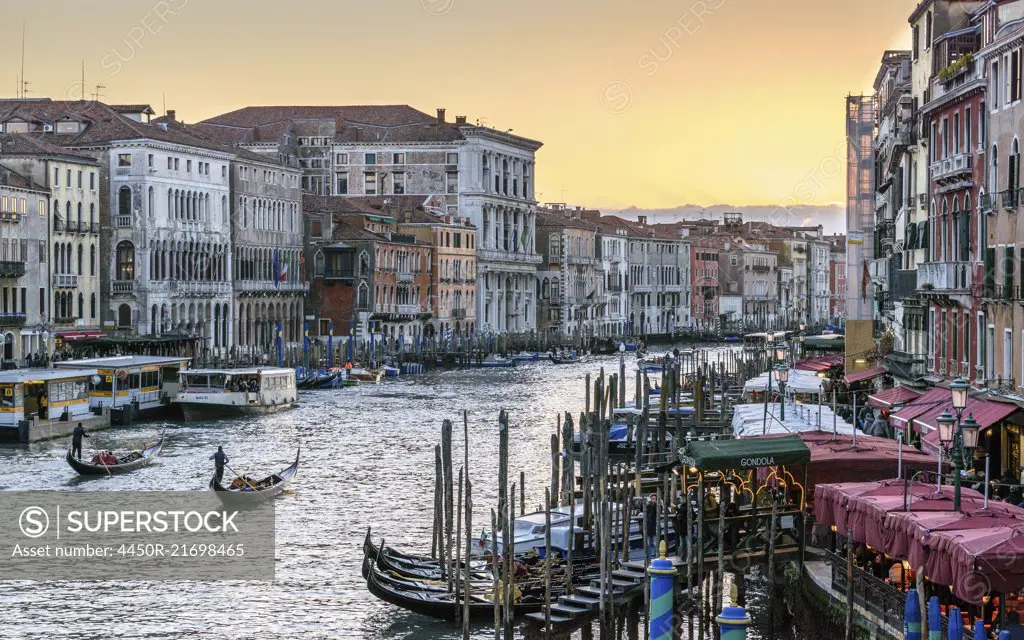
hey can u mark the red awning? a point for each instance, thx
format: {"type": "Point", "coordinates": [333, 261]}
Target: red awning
{"type": "Point", "coordinates": [820, 363]}
{"type": "Point", "coordinates": [866, 374]}
{"type": "Point", "coordinates": [921, 405]}
{"type": "Point", "coordinates": [71, 336]}
{"type": "Point", "coordinates": [896, 395]}
{"type": "Point", "coordinates": [986, 412]}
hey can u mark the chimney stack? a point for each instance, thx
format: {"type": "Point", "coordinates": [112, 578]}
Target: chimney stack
{"type": "Point", "coordinates": [460, 119]}
{"type": "Point", "coordinates": [440, 116]}
{"type": "Point", "coordinates": [642, 219]}
{"type": "Point", "coordinates": [171, 115]}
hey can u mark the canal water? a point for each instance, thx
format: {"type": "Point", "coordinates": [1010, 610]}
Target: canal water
{"type": "Point", "coordinates": [367, 460]}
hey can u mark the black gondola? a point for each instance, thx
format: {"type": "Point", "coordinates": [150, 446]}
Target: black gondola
{"type": "Point", "coordinates": [436, 604]}
{"type": "Point", "coordinates": [245, 489]}
{"type": "Point", "coordinates": [125, 463]}
{"type": "Point", "coordinates": [415, 567]}
{"type": "Point", "coordinates": [563, 359]}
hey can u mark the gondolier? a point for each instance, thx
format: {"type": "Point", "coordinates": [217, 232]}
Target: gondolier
{"type": "Point", "coordinates": [76, 441]}
{"type": "Point", "coordinates": [219, 460]}
{"type": "Point", "coordinates": [651, 524]}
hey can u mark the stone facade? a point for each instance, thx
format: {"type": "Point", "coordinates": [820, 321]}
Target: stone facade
{"type": "Point", "coordinates": [24, 268]}
{"type": "Point", "coordinates": [571, 293]}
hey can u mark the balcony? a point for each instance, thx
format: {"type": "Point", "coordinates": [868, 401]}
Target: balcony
{"type": "Point", "coordinates": [124, 222]}
{"type": "Point", "coordinates": [65, 280]}
{"type": "Point", "coordinates": [498, 255]}
{"type": "Point", "coordinates": [94, 227]}
{"type": "Point", "coordinates": [458, 314]}
{"type": "Point", "coordinates": [12, 319]}
{"type": "Point", "coordinates": [201, 288]}
{"type": "Point", "coordinates": [954, 166]}
{"type": "Point", "coordinates": [614, 287]}
{"type": "Point", "coordinates": [944, 277]}
{"type": "Point", "coordinates": [761, 268]}
{"type": "Point", "coordinates": [267, 286]}
{"type": "Point", "coordinates": [58, 224]}
{"type": "Point", "coordinates": [11, 269]}
{"type": "Point", "coordinates": [878, 271]}
{"type": "Point", "coordinates": [404, 276]}
{"type": "Point", "coordinates": [72, 227]}
{"type": "Point", "coordinates": [396, 309]}
{"type": "Point", "coordinates": [581, 260]}
{"type": "Point", "coordinates": [339, 274]}
{"type": "Point", "coordinates": [123, 286]}
{"type": "Point", "coordinates": [986, 203]}
{"type": "Point", "coordinates": [1009, 199]}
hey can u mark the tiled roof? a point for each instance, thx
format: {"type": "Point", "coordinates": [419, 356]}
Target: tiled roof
{"type": "Point", "coordinates": [133, 108]}
{"type": "Point", "coordinates": [26, 144]}
{"type": "Point", "coordinates": [353, 124]}
{"type": "Point", "coordinates": [104, 124]}
{"type": "Point", "coordinates": [346, 231]}
{"type": "Point", "coordinates": [336, 205]}
{"type": "Point", "coordinates": [9, 178]}
{"type": "Point", "coordinates": [564, 219]}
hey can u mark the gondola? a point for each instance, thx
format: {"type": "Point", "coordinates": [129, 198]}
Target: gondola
{"type": "Point", "coordinates": [245, 489]}
{"type": "Point", "coordinates": [435, 604]}
{"type": "Point", "coordinates": [391, 560]}
{"type": "Point", "coordinates": [128, 462]}
{"type": "Point", "coordinates": [563, 359]}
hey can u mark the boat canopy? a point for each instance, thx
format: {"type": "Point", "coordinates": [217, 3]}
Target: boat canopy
{"type": "Point", "coordinates": [721, 455]}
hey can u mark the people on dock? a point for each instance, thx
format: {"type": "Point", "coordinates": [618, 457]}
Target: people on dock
{"type": "Point", "coordinates": [220, 459]}
{"type": "Point", "coordinates": [76, 441]}
{"type": "Point", "coordinates": [44, 404]}
{"type": "Point", "coordinates": [651, 525]}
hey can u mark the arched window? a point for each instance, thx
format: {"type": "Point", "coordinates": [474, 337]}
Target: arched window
{"type": "Point", "coordinates": [92, 306]}
{"type": "Point", "coordinates": [363, 300]}
{"type": "Point", "coordinates": [125, 261]}
{"type": "Point", "coordinates": [92, 260]}
{"type": "Point", "coordinates": [1013, 177]}
{"type": "Point", "coordinates": [80, 216]}
{"type": "Point", "coordinates": [318, 264]}
{"type": "Point", "coordinates": [81, 305]}
{"type": "Point", "coordinates": [151, 203]}
{"type": "Point", "coordinates": [364, 264]}
{"type": "Point", "coordinates": [994, 176]}
{"type": "Point", "coordinates": [81, 256]}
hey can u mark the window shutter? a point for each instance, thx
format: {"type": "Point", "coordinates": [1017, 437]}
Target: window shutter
{"type": "Point", "coordinates": [923, 226]}
{"type": "Point", "coordinates": [965, 235]}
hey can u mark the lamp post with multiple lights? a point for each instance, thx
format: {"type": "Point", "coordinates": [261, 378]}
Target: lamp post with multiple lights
{"type": "Point", "coordinates": [958, 444]}
{"type": "Point", "coordinates": [782, 377]}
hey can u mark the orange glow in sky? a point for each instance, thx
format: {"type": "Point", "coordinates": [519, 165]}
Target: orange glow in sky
{"type": "Point", "coordinates": [654, 103]}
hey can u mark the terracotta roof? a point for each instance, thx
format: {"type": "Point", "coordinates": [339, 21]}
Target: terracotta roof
{"type": "Point", "coordinates": [104, 124]}
{"type": "Point", "coordinates": [26, 144]}
{"type": "Point", "coordinates": [563, 219]}
{"type": "Point", "coordinates": [336, 205]}
{"type": "Point", "coordinates": [358, 123]}
{"type": "Point", "coordinates": [347, 231]}
{"type": "Point", "coordinates": [133, 108]}
{"type": "Point", "coordinates": [9, 178]}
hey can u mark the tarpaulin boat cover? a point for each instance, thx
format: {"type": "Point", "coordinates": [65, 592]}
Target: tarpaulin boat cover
{"type": "Point", "coordinates": [748, 453]}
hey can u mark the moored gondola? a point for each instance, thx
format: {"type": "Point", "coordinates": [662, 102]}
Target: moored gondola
{"type": "Point", "coordinates": [436, 604]}
{"type": "Point", "coordinates": [128, 462]}
{"type": "Point", "coordinates": [571, 359]}
{"type": "Point", "coordinates": [244, 488]}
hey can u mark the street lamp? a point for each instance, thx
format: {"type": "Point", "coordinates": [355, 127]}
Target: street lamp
{"type": "Point", "coordinates": [958, 444]}
{"type": "Point", "coordinates": [782, 376]}
{"type": "Point", "coordinates": [780, 352]}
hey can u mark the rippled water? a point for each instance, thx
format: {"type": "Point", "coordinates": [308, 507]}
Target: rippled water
{"type": "Point", "coordinates": [367, 459]}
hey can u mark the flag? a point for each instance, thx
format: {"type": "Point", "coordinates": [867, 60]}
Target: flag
{"type": "Point", "coordinates": [865, 279]}
{"type": "Point", "coordinates": [277, 270]}
{"type": "Point", "coordinates": [283, 277]}
{"type": "Point", "coordinates": [522, 239]}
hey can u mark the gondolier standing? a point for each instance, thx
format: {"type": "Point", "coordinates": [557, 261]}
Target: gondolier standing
{"type": "Point", "coordinates": [219, 460]}
{"type": "Point", "coordinates": [651, 524]}
{"type": "Point", "coordinates": [76, 441]}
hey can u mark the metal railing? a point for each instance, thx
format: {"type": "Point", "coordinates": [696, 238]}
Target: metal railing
{"type": "Point", "coordinates": [869, 593]}
{"type": "Point", "coordinates": [1009, 198]}
{"type": "Point", "coordinates": [12, 319]}
{"type": "Point", "coordinates": [11, 269]}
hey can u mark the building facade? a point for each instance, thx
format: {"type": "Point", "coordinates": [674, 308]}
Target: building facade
{"type": "Point", "coordinates": [706, 290]}
{"type": "Point", "coordinates": [571, 292]}
{"type": "Point", "coordinates": [24, 267]}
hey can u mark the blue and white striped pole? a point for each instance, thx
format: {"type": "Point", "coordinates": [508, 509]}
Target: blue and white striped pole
{"type": "Point", "coordinates": [663, 578]}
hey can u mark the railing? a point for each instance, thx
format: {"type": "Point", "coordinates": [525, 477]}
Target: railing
{"type": "Point", "coordinates": [124, 222]}
{"type": "Point", "coordinates": [58, 224]}
{"type": "Point", "coordinates": [339, 274]}
{"type": "Point", "coordinates": [615, 286]}
{"type": "Point", "coordinates": [72, 227]}
{"type": "Point", "coordinates": [944, 277]}
{"type": "Point", "coordinates": [404, 276]}
{"type": "Point", "coordinates": [12, 319]}
{"type": "Point", "coordinates": [458, 314]}
{"type": "Point", "coordinates": [200, 288]}
{"type": "Point", "coordinates": [94, 227]}
{"type": "Point", "coordinates": [11, 269]}
{"type": "Point", "coordinates": [573, 259]}
{"type": "Point", "coordinates": [869, 593]}
{"type": "Point", "coordinates": [986, 203]}
{"type": "Point", "coordinates": [65, 280]}
{"type": "Point", "coordinates": [1009, 198]}
{"type": "Point", "coordinates": [952, 166]}
{"type": "Point", "coordinates": [123, 286]}
{"type": "Point", "coordinates": [397, 309]}
{"type": "Point", "coordinates": [498, 255]}
{"type": "Point", "coordinates": [267, 286]}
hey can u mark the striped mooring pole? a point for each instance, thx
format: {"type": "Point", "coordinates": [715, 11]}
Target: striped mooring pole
{"type": "Point", "coordinates": [662, 575]}
{"type": "Point", "coordinates": [733, 623]}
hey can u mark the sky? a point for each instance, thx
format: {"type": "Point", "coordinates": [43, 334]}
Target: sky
{"type": "Point", "coordinates": [651, 104]}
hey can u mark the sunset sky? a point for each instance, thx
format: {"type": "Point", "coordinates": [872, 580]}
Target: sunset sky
{"type": "Point", "coordinates": [654, 103]}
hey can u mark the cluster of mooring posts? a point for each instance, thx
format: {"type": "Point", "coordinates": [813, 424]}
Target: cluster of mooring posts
{"type": "Point", "coordinates": [632, 538]}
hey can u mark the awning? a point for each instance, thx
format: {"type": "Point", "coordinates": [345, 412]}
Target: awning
{"type": "Point", "coordinates": [986, 412]}
{"type": "Point", "coordinates": [866, 374]}
{"type": "Point", "coordinates": [71, 336]}
{"type": "Point", "coordinates": [896, 395]}
{"type": "Point", "coordinates": [750, 453]}
{"type": "Point", "coordinates": [921, 405]}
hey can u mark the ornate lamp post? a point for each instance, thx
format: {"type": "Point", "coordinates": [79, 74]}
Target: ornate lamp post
{"type": "Point", "coordinates": [958, 444]}
{"type": "Point", "coordinates": [781, 351]}
{"type": "Point", "coordinates": [782, 376]}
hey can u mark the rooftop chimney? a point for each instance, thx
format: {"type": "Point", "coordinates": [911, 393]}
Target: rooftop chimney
{"type": "Point", "coordinates": [460, 119]}
{"type": "Point", "coordinates": [171, 115]}
{"type": "Point", "coordinates": [642, 219]}
{"type": "Point", "coordinates": [440, 116]}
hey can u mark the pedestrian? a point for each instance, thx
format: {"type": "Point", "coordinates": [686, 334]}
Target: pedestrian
{"type": "Point", "coordinates": [651, 524]}
{"type": "Point", "coordinates": [76, 441]}
{"type": "Point", "coordinates": [220, 459]}
{"type": "Point", "coordinates": [44, 405]}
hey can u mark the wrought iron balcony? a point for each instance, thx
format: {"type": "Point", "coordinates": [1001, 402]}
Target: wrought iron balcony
{"type": "Point", "coordinates": [11, 269]}
{"type": "Point", "coordinates": [458, 314]}
{"type": "Point", "coordinates": [1009, 198]}
{"type": "Point", "coordinates": [12, 319]}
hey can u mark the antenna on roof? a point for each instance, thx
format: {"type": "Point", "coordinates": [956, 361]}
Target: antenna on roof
{"type": "Point", "coordinates": [96, 93]}
{"type": "Point", "coordinates": [164, 96]}
{"type": "Point", "coordinates": [21, 83]}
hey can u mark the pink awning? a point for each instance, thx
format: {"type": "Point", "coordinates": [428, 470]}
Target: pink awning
{"type": "Point", "coordinates": [866, 374]}
{"type": "Point", "coordinates": [986, 412]}
{"type": "Point", "coordinates": [896, 395]}
{"type": "Point", "coordinates": [921, 405]}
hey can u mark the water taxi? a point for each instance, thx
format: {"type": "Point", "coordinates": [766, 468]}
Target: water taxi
{"type": "Point", "coordinates": [225, 393]}
{"type": "Point", "coordinates": [131, 386]}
